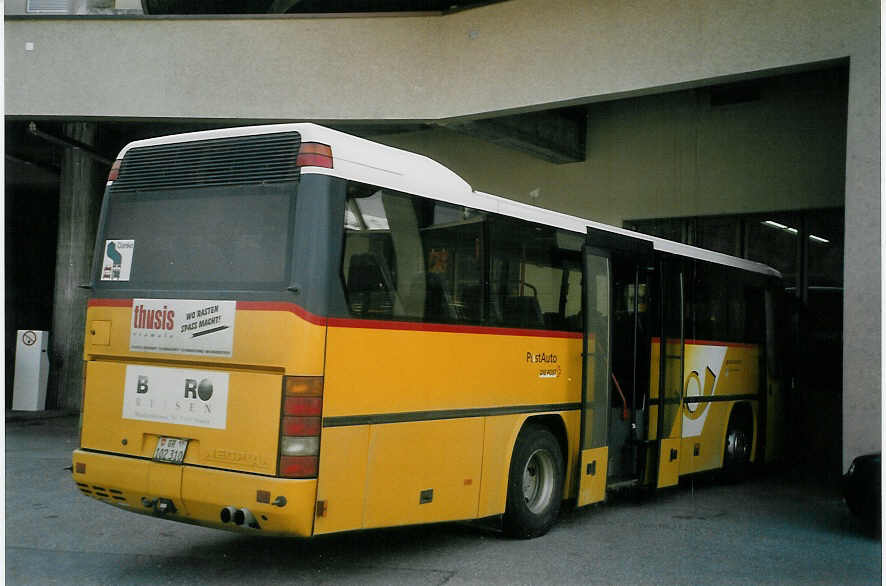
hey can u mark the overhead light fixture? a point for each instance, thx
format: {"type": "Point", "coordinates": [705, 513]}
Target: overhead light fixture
{"type": "Point", "coordinates": [819, 239]}
{"type": "Point", "coordinates": [780, 226]}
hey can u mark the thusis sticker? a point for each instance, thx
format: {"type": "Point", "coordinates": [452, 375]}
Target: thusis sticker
{"type": "Point", "coordinates": [183, 326]}
{"type": "Point", "coordinates": [180, 396]}
{"type": "Point", "coordinates": [117, 260]}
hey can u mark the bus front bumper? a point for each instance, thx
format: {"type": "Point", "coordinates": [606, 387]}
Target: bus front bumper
{"type": "Point", "coordinates": [198, 495]}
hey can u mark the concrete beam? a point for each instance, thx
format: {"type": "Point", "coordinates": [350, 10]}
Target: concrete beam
{"type": "Point", "coordinates": [502, 57]}
{"type": "Point", "coordinates": [557, 136]}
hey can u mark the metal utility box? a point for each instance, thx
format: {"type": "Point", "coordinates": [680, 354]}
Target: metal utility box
{"type": "Point", "coordinates": [31, 371]}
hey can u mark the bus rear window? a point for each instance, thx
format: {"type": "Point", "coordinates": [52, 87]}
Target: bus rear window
{"type": "Point", "coordinates": [235, 237]}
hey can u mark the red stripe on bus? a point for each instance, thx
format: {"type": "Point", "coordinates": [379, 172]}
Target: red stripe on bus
{"type": "Point", "coordinates": [110, 303]}
{"type": "Point", "coordinates": [283, 306]}
{"type": "Point", "coordinates": [657, 340]}
{"type": "Point", "coordinates": [447, 328]}
{"type": "Point", "coordinates": [339, 322]}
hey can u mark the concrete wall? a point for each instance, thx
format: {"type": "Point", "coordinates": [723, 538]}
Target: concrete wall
{"type": "Point", "coordinates": [522, 54]}
{"type": "Point", "coordinates": [513, 55]}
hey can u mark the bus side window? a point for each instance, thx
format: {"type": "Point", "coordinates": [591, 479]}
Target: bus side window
{"type": "Point", "coordinates": [708, 316]}
{"type": "Point", "coordinates": [535, 276]}
{"type": "Point", "coordinates": [411, 258]}
{"type": "Point", "coordinates": [752, 314]}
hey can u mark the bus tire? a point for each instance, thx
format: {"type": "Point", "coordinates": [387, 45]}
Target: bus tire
{"type": "Point", "coordinates": [737, 448]}
{"type": "Point", "coordinates": [535, 484]}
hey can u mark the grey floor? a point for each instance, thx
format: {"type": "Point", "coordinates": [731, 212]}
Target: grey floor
{"type": "Point", "coordinates": [771, 529]}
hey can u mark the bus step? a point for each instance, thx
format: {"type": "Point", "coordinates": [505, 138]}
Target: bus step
{"type": "Point", "coordinates": [624, 484]}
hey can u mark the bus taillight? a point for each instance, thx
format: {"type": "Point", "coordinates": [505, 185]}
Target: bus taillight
{"type": "Point", "coordinates": [300, 426]}
{"type": "Point", "coordinates": [314, 154]}
{"type": "Point", "coordinates": [115, 171]}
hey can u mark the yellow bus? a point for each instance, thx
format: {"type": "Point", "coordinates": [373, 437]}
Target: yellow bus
{"type": "Point", "coordinates": [296, 331]}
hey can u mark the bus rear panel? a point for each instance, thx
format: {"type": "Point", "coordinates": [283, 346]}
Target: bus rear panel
{"type": "Point", "coordinates": [203, 380]}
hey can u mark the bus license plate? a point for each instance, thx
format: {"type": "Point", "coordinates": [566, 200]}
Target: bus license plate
{"type": "Point", "coordinates": [170, 449]}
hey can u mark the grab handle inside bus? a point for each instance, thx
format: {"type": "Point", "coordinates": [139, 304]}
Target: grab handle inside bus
{"type": "Point", "coordinates": [625, 413]}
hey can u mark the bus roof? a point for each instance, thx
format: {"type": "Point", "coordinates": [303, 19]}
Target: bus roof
{"type": "Point", "coordinates": [370, 162]}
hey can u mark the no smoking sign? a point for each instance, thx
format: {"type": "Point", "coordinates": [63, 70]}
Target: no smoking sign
{"type": "Point", "coordinates": [29, 338]}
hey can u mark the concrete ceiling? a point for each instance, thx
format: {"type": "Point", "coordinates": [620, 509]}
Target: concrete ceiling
{"type": "Point", "coordinates": [170, 7]}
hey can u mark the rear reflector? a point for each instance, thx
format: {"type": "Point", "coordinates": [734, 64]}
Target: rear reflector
{"type": "Point", "coordinates": [314, 154]}
{"type": "Point", "coordinates": [299, 466]}
{"type": "Point", "coordinates": [304, 406]}
{"type": "Point", "coordinates": [301, 426]}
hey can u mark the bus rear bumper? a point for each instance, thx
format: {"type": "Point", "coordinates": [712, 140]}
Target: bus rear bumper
{"type": "Point", "coordinates": [198, 495]}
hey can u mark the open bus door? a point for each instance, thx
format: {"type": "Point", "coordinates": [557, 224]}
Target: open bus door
{"type": "Point", "coordinates": [774, 375]}
{"type": "Point", "coordinates": [595, 378]}
{"type": "Point", "coordinates": [667, 376]}
{"type": "Point", "coordinates": [606, 454]}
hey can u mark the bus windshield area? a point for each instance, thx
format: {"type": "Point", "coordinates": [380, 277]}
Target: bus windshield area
{"type": "Point", "coordinates": [221, 237]}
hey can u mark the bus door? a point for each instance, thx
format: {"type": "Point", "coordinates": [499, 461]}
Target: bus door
{"type": "Point", "coordinates": [632, 329]}
{"type": "Point", "coordinates": [773, 377]}
{"type": "Point", "coordinates": [595, 374]}
{"type": "Point", "coordinates": [668, 388]}
{"type": "Point", "coordinates": [605, 256]}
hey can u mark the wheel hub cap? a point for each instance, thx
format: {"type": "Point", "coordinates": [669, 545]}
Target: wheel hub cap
{"type": "Point", "coordinates": [538, 481]}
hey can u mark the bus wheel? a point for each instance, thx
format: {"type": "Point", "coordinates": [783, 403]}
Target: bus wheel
{"type": "Point", "coordinates": [737, 453]}
{"type": "Point", "coordinates": [535, 484]}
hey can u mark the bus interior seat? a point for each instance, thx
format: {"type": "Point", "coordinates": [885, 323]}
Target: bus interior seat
{"type": "Point", "coordinates": [575, 322]}
{"type": "Point", "coordinates": [368, 293]}
{"type": "Point", "coordinates": [472, 300]}
{"type": "Point", "coordinates": [522, 311]}
{"type": "Point", "coordinates": [493, 310]}
{"type": "Point", "coordinates": [554, 321]}
{"type": "Point", "coordinates": [438, 303]}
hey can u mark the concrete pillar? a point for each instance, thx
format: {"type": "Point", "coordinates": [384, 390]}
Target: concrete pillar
{"type": "Point", "coordinates": [862, 300]}
{"type": "Point", "coordinates": [80, 193]}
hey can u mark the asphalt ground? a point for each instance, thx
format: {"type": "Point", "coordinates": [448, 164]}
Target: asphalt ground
{"type": "Point", "coordinates": [770, 529]}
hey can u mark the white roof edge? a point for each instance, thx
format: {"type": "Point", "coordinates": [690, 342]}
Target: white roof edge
{"type": "Point", "coordinates": [302, 127]}
{"type": "Point", "coordinates": [391, 167]}
{"type": "Point", "coordinates": [410, 172]}
{"type": "Point", "coordinates": [580, 225]}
